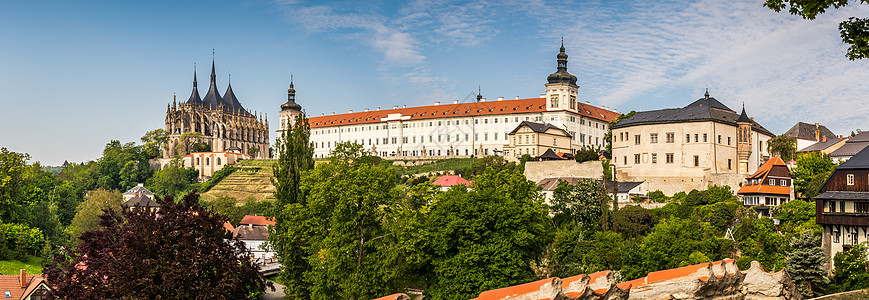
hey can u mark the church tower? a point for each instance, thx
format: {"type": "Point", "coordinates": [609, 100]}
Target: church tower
{"type": "Point", "coordinates": [743, 140]}
{"type": "Point", "coordinates": [290, 110]}
{"type": "Point", "coordinates": [561, 89]}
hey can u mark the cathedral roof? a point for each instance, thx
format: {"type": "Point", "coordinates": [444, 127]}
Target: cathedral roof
{"type": "Point", "coordinates": [230, 101]}
{"type": "Point", "coordinates": [212, 98]}
{"type": "Point", "coordinates": [194, 96]}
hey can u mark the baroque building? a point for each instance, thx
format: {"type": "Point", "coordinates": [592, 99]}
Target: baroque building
{"type": "Point", "coordinates": [223, 122]}
{"type": "Point", "coordinates": [680, 149]}
{"type": "Point", "coordinates": [458, 129]}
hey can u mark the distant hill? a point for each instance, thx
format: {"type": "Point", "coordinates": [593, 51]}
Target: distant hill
{"type": "Point", "coordinates": [251, 180]}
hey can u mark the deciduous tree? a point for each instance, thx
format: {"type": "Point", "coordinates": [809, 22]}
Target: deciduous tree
{"type": "Point", "coordinates": [94, 204]}
{"type": "Point", "coordinates": [784, 146]}
{"type": "Point", "coordinates": [154, 141]}
{"type": "Point", "coordinates": [180, 252]}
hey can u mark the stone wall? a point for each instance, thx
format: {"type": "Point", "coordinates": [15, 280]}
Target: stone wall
{"type": "Point", "coordinates": [537, 170]}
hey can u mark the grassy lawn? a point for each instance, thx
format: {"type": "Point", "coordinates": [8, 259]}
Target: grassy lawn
{"type": "Point", "coordinates": [11, 267]}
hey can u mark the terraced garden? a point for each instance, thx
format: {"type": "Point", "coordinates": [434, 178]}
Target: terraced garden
{"type": "Point", "coordinates": [251, 180]}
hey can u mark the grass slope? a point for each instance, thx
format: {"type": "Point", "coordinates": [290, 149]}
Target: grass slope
{"type": "Point", "coordinates": [33, 265]}
{"type": "Point", "coordinates": [251, 180]}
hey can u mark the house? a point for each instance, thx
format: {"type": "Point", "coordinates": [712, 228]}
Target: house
{"type": "Point", "coordinates": [23, 286]}
{"type": "Point", "coordinates": [253, 231]}
{"type": "Point", "coordinates": [770, 186]}
{"type": "Point", "coordinates": [535, 139]}
{"type": "Point", "coordinates": [679, 149]}
{"type": "Point", "coordinates": [808, 134]}
{"type": "Point", "coordinates": [209, 162]}
{"type": "Point", "coordinates": [851, 147]}
{"type": "Point", "coordinates": [447, 181]}
{"type": "Point", "coordinates": [826, 145]}
{"type": "Point", "coordinates": [140, 196]}
{"type": "Point", "coordinates": [624, 192]}
{"type": "Point", "coordinates": [842, 207]}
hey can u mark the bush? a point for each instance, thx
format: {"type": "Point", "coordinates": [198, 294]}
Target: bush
{"type": "Point", "coordinates": [21, 240]}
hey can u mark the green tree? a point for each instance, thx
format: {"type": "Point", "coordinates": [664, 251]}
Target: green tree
{"type": "Point", "coordinates": [186, 142]}
{"type": "Point", "coordinates": [465, 234]}
{"type": "Point", "coordinates": [12, 171]}
{"type": "Point", "coordinates": [153, 142]}
{"type": "Point", "coordinates": [672, 243]}
{"type": "Point", "coordinates": [851, 268]}
{"type": "Point", "coordinates": [581, 205]}
{"type": "Point", "coordinates": [854, 31]}
{"type": "Point", "coordinates": [172, 180]}
{"type": "Point", "coordinates": [811, 172]}
{"type": "Point", "coordinates": [759, 240]}
{"type": "Point", "coordinates": [633, 221]}
{"type": "Point", "coordinates": [253, 151]}
{"type": "Point", "coordinates": [294, 157]}
{"type": "Point", "coordinates": [122, 166]}
{"type": "Point", "coordinates": [796, 216]}
{"type": "Point", "coordinates": [87, 217]}
{"type": "Point", "coordinates": [805, 264]}
{"type": "Point", "coordinates": [782, 145]}
{"type": "Point", "coordinates": [585, 155]}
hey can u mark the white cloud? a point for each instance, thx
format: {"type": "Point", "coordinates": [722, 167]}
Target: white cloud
{"type": "Point", "coordinates": [784, 68]}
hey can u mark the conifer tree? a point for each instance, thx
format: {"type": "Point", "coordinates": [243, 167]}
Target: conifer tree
{"type": "Point", "coordinates": [805, 264]}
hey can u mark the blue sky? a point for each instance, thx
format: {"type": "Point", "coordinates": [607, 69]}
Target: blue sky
{"type": "Point", "coordinates": [74, 75]}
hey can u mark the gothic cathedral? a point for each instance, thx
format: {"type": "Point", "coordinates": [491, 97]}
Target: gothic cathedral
{"type": "Point", "coordinates": [225, 125]}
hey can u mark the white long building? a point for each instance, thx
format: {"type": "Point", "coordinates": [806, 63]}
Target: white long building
{"type": "Point", "coordinates": [460, 129]}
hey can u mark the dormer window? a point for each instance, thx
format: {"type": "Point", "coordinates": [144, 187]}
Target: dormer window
{"type": "Point", "coordinates": [850, 179]}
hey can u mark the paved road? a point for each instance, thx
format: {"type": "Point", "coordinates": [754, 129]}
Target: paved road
{"type": "Point", "coordinates": [277, 294]}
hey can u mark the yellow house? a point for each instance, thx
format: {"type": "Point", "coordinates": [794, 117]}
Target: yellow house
{"type": "Point", "coordinates": [535, 138]}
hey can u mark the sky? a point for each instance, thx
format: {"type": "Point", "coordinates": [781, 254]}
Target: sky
{"type": "Point", "coordinates": [75, 75]}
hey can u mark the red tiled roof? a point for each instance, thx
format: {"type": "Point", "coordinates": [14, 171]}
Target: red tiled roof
{"type": "Point", "coordinates": [451, 180]}
{"type": "Point", "coordinates": [760, 175]}
{"type": "Point", "coordinates": [396, 296]}
{"type": "Point", "coordinates": [12, 284]}
{"type": "Point", "coordinates": [257, 220]}
{"type": "Point", "coordinates": [487, 108]}
{"type": "Point", "coordinates": [516, 290]}
{"type": "Point", "coordinates": [228, 226]}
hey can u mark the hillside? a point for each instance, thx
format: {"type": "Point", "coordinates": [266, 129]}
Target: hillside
{"type": "Point", "coordinates": [252, 179]}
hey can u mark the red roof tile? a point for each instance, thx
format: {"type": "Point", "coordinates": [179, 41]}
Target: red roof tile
{"type": "Point", "coordinates": [451, 180]}
{"type": "Point", "coordinates": [257, 220]}
{"type": "Point", "coordinates": [503, 107]}
{"type": "Point", "coordinates": [760, 175]}
{"type": "Point", "coordinates": [516, 290]}
{"type": "Point", "coordinates": [12, 283]}
{"type": "Point", "coordinates": [396, 296]}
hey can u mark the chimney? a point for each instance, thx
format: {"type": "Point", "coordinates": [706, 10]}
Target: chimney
{"type": "Point", "coordinates": [378, 108]}
{"type": "Point", "coordinates": [350, 111]}
{"type": "Point", "coordinates": [500, 98]}
{"type": "Point", "coordinates": [455, 101]}
{"type": "Point", "coordinates": [366, 109]}
{"type": "Point", "coordinates": [483, 100]}
{"type": "Point", "coordinates": [22, 278]}
{"type": "Point", "coordinates": [437, 103]}
{"type": "Point", "coordinates": [817, 132]}
{"type": "Point", "coordinates": [517, 97]}
{"type": "Point", "coordinates": [824, 139]}
{"type": "Point", "coordinates": [404, 106]}
{"type": "Point", "coordinates": [322, 114]}
{"type": "Point", "coordinates": [333, 113]}
{"type": "Point", "coordinates": [395, 107]}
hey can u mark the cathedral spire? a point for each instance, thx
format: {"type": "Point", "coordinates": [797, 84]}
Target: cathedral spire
{"type": "Point", "coordinates": [194, 96]}
{"type": "Point", "coordinates": [291, 98]}
{"type": "Point", "coordinates": [212, 97]}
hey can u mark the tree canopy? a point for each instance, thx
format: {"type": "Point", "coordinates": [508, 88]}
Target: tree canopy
{"type": "Point", "coordinates": [180, 252]}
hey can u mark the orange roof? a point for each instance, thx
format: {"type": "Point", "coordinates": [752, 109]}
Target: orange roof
{"type": "Point", "coordinates": [760, 175]}
{"type": "Point", "coordinates": [451, 180]}
{"type": "Point", "coordinates": [516, 290]}
{"type": "Point", "coordinates": [487, 108]}
{"type": "Point", "coordinates": [227, 226]}
{"type": "Point", "coordinates": [257, 220]}
{"type": "Point", "coordinates": [395, 296]}
{"type": "Point", "coordinates": [12, 283]}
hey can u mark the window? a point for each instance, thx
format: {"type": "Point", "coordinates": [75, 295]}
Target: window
{"type": "Point", "coordinates": [625, 160]}
{"type": "Point", "coordinates": [553, 140]}
{"type": "Point", "coordinates": [670, 137]}
{"type": "Point", "coordinates": [719, 139]}
{"type": "Point", "coordinates": [553, 101]}
{"type": "Point", "coordinates": [485, 121]}
{"type": "Point", "coordinates": [696, 138]}
{"type": "Point", "coordinates": [704, 138]}
{"type": "Point", "coordinates": [729, 161]}
{"type": "Point", "coordinates": [696, 160]}
{"type": "Point", "coordinates": [572, 101]}
{"type": "Point", "coordinates": [669, 158]}
{"type": "Point", "coordinates": [850, 179]}
{"type": "Point", "coordinates": [653, 138]}
{"type": "Point", "coordinates": [861, 207]}
{"type": "Point", "coordinates": [654, 158]}
{"type": "Point", "coordinates": [687, 138]}
{"type": "Point", "coordinates": [783, 182]}
{"type": "Point", "coordinates": [466, 137]}
{"type": "Point", "coordinates": [218, 161]}
{"type": "Point", "coordinates": [636, 139]}
{"type": "Point", "coordinates": [842, 206]}
{"type": "Point", "coordinates": [832, 206]}
{"type": "Point", "coordinates": [772, 182]}
{"type": "Point", "coordinates": [636, 158]}
{"type": "Point", "coordinates": [728, 141]}
{"type": "Point", "coordinates": [485, 136]}
{"type": "Point", "coordinates": [835, 236]}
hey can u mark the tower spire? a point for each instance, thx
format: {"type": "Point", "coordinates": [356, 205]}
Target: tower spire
{"type": "Point", "coordinates": [707, 97]}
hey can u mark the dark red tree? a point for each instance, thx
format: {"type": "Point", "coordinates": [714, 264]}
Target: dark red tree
{"type": "Point", "coordinates": [180, 252]}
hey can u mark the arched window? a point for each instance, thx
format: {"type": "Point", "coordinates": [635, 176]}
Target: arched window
{"type": "Point", "coordinates": [218, 161]}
